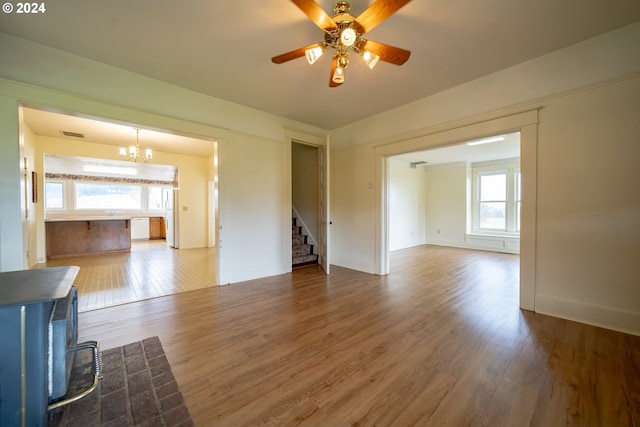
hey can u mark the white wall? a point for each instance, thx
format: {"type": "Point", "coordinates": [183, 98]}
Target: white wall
{"type": "Point", "coordinates": [588, 193]}
{"type": "Point", "coordinates": [589, 207]}
{"type": "Point", "coordinates": [446, 205]}
{"type": "Point", "coordinates": [11, 224]}
{"type": "Point", "coordinates": [407, 205]}
{"type": "Point", "coordinates": [252, 193]}
{"type": "Point", "coordinates": [353, 208]}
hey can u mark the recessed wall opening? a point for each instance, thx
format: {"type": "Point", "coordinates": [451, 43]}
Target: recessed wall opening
{"type": "Point", "coordinates": [525, 123]}
{"type": "Point", "coordinates": [162, 205]}
{"type": "Point", "coordinates": [465, 196]}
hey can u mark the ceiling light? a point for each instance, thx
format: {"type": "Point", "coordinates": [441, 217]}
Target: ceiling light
{"type": "Point", "coordinates": [338, 74]}
{"type": "Point", "coordinates": [134, 153]}
{"type": "Point", "coordinates": [313, 54]}
{"type": "Point", "coordinates": [348, 37]}
{"type": "Point", "coordinates": [370, 58]}
{"type": "Point", "coordinates": [343, 33]}
{"type": "Point", "coordinates": [486, 140]}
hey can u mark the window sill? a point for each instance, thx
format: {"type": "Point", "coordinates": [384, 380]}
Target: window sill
{"type": "Point", "coordinates": [494, 235]}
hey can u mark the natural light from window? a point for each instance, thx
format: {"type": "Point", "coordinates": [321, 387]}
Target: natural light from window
{"type": "Point", "coordinates": [101, 196]}
{"type": "Point", "coordinates": [493, 201]}
{"type": "Point", "coordinates": [497, 199]}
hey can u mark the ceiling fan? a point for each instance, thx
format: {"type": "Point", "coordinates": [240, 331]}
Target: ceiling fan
{"type": "Point", "coordinates": [343, 35]}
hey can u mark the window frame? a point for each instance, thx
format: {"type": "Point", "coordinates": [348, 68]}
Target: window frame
{"type": "Point", "coordinates": [512, 202]}
{"type": "Point", "coordinates": [63, 186]}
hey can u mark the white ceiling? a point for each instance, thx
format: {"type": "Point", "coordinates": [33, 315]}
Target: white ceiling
{"type": "Point", "coordinates": [52, 124]}
{"type": "Point", "coordinates": [223, 48]}
{"type": "Point", "coordinates": [508, 148]}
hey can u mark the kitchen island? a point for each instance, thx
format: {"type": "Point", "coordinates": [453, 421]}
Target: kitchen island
{"type": "Point", "coordinates": [87, 236]}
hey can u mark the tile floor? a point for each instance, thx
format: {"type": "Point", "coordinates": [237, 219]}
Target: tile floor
{"type": "Point", "coordinates": [152, 269]}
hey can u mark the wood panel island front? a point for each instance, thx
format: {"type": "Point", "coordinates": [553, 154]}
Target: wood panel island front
{"type": "Point", "coordinates": [85, 236]}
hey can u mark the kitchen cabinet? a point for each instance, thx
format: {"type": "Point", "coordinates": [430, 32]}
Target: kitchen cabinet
{"type": "Point", "coordinates": [156, 227]}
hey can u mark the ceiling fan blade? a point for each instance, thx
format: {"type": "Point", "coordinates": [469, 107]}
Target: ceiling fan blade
{"type": "Point", "coordinates": [378, 12]}
{"type": "Point", "coordinates": [316, 14]}
{"type": "Point", "coordinates": [334, 65]}
{"type": "Point", "coordinates": [293, 54]}
{"type": "Point", "coordinates": [387, 53]}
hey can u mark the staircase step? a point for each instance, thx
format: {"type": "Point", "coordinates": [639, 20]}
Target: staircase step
{"type": "Point", "coordinates": [298, 250]}
{"type": "Point", "coordinates": [302, 253]}
{"type": "Point", "coordinates": [304, 260]}
{"type": "Point", "coordinates": [298, 239]}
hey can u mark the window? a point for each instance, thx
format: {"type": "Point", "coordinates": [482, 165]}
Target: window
{"type": "Point", "coordinates": [493, 201]}
{"type": "Point", "coordinates": [497, 200]}
{"type": "Point", "coordinates": [155, 198]}
{"type": "Point", "coordinates": [54, 195]}
{"type": "Point", "coordinates": [108, 196]}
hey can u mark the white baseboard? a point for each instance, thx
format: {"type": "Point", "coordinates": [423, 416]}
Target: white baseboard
{"type": "Point", "coordinates": [604, 317]}
{"type": "Point", "coordinates": [353, 264]}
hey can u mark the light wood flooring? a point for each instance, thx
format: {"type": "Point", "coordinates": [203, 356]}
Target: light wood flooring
{"type": "Point", "coordinates": [152, 269]}
{"type": "Point", "coordinates": [438, 342]}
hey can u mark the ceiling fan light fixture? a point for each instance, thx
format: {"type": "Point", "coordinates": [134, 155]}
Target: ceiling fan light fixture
{"type": "Point", "coordinates": [313, 54]}
{"type": "Point", "coordinates": [338, 75]}
{"type": "Point", "coordinates": [370, 58]}
{"type": "Point", "coordinates": [348, 37]}
{"type": "Point", "coordinates": [343, 34]}
{"type": "Point", "coordinates": [341, 64]}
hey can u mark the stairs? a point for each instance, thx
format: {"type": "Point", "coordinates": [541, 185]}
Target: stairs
{"type": "Point", "coordinates": [302, 252]}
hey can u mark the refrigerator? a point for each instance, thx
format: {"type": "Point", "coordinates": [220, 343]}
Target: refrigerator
{"type": "Point", "coordinates": [169, 196]}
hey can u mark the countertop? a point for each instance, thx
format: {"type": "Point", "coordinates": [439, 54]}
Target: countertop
{"type": "Point", "coordinates": [90, 218]}
{"type": "Point", "coordinates": [103, 218]}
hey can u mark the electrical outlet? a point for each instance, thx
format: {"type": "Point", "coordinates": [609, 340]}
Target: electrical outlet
{"type": "Point", "coordinates": [438, 231]}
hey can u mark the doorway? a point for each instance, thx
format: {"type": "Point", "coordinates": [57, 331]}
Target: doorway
{"type": "Point", "coordinates": [315, 154]}
{"type": "Point", "coordinates": [304, 204]}
{"type": "Point", "coordinates": [433, 197]}
{"type": "Point", "coordinates": [527, 124]}
{"type": "Point", "coordinates": [45, 131]}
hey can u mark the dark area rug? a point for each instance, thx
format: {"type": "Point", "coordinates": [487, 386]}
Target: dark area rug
{"type": "Point", "coordinates": [137, 389]}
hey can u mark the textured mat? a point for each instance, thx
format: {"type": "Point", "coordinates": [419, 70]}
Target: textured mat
{"type": "Point", "coordinates": [137, 389]}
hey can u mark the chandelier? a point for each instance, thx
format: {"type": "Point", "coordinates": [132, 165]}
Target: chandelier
{"type": "Point", "coordinates": [134, 152]}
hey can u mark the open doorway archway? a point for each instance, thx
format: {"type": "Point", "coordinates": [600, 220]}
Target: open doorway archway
{"type": "Point", "coordinates": [196, 163]}
{"type": "Point", "coordinates": [525, 123]}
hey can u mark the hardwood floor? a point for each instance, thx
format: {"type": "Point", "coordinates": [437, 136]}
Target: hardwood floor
{"type": "Point", "coordinates": [152, 269]}
{"type": "Point", "coordinates": [438, 342]}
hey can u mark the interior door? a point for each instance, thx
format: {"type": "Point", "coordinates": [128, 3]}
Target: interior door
{"type": "Point", "coordinates": [323, 206]}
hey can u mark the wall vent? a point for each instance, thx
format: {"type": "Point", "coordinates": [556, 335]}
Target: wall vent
{"type": "Point", "coordinates": [72, 134]}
